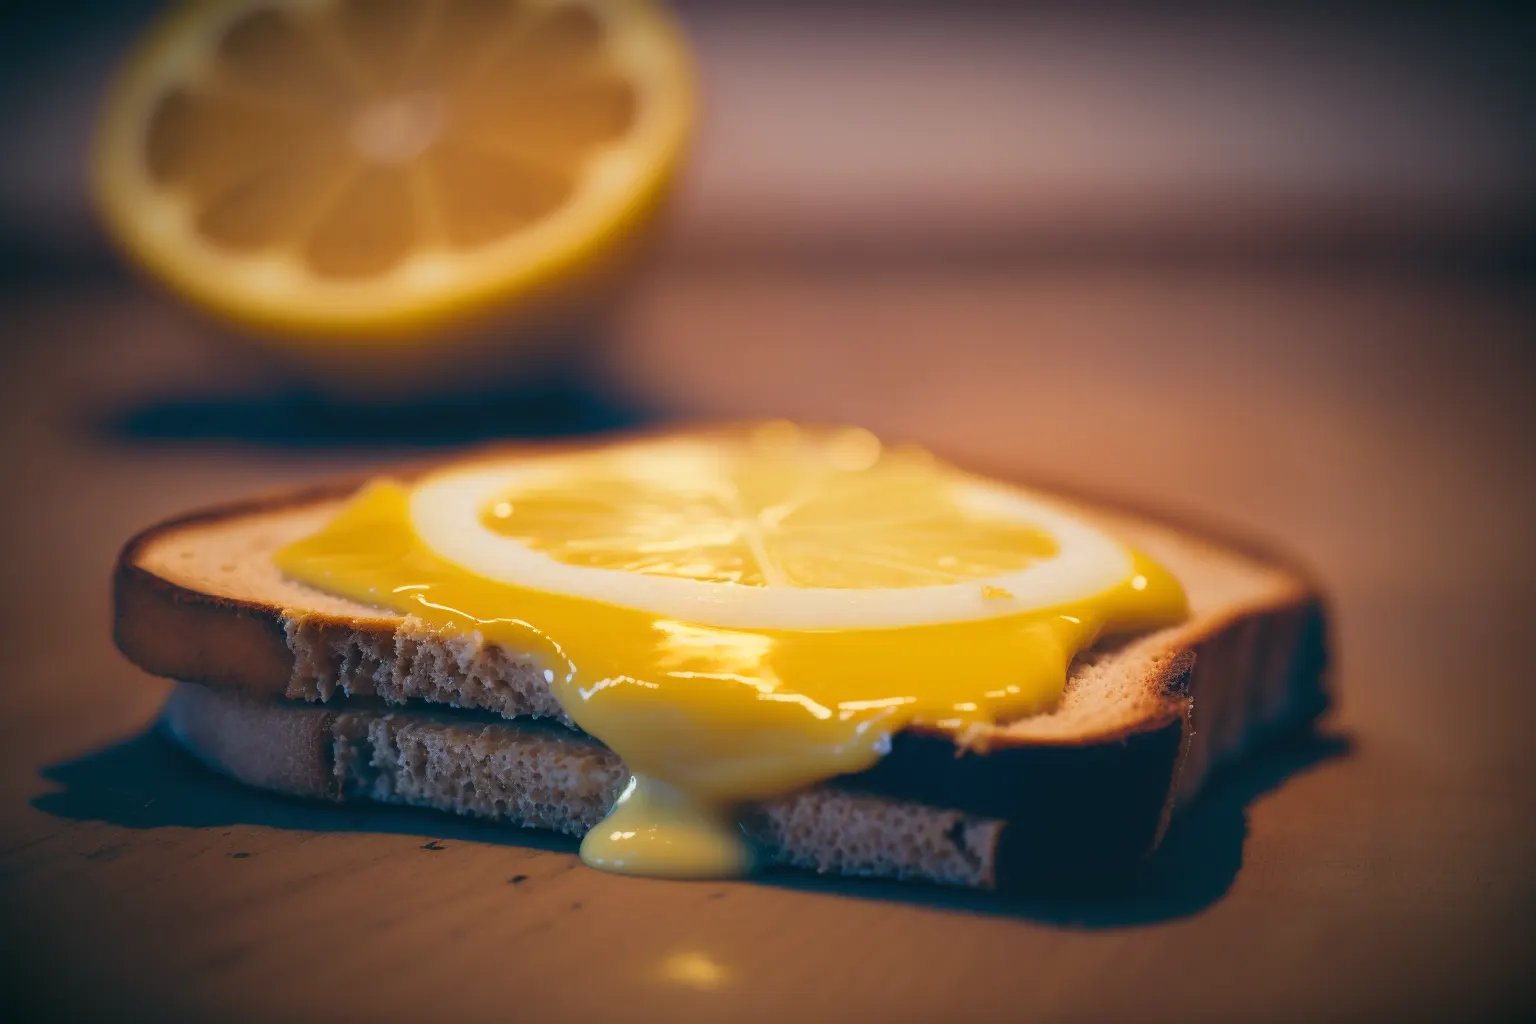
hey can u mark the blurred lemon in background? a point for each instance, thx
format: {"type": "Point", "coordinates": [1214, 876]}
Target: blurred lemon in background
{"type": "Point", "coordinates": [365, 181]}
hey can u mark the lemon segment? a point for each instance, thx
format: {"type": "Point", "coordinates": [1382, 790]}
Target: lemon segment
{"type": "Point", "coordinates": [368, 169]}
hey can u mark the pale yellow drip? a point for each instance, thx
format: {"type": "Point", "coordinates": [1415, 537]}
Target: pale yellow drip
{"type": "Point", "coordinates": [710, 718]}
{"type": "Point", "coordinates": [659, 830]}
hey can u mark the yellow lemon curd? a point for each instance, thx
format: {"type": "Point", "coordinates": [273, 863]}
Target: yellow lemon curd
{"type": "Point", "coordinates": [739, 617]}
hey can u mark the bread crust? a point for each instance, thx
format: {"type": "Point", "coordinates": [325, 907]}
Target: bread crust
{"type": "Point", "coordinates": [1089, 804]}
{"type": "Point", "coordinates": [157, 623]}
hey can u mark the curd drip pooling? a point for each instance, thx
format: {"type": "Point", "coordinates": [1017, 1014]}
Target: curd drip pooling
{"type": "Point", "coordinates": [742, 615]}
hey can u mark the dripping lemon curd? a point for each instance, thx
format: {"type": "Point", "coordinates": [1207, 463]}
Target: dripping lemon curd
{"type": "Point", "coordinates": [742, 615]}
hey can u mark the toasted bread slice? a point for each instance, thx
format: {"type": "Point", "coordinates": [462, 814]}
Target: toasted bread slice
{"type": "Point", "coordinates": [546, 776]}
{"type": "Point", "coordinates": [1080, 791]}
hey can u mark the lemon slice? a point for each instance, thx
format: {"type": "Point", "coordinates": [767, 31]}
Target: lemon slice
{"type": "Point", "coordinates": [813, 531]}
{"type": "Point", "coordinates": [374, 168]}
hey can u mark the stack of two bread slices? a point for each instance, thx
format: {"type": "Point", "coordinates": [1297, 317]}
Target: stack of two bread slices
{"type": "Point", "coordinates": [300, 692]}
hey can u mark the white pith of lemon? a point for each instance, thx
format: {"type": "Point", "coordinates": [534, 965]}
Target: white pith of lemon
{"type": "Point", "coordinates": [311, 167]}
{"type": "Point", "coordinates": [664, 526]}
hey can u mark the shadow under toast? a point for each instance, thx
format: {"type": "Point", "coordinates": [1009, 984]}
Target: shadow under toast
{"type": "Point", "coordinates": [1191, 870]}
{"type": "Point", "coordinates": [148, 782]}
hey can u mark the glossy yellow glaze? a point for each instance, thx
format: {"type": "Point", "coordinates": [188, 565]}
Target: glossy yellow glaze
{"type": "Point", "coordinates": [709, 718]}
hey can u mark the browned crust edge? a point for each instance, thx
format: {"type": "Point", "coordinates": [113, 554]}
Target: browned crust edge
{"type": "Point", "coordinates": [179, 633]}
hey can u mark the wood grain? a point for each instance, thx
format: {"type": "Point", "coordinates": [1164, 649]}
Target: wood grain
{"type": "Point", "coordinates": [1380, 427]}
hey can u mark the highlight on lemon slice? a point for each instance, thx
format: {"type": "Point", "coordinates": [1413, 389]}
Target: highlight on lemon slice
{"type": "Point", "coordinates": [776, 529]}
{"type": "Point", "coordinates": [376, 168]}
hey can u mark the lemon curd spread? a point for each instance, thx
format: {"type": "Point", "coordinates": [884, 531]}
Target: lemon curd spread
{"type": "Point", "coordinates": [744, 614]}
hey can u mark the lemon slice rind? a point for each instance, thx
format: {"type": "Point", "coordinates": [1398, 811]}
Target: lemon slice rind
{"type": "Point", "coordinates": [447, 509]}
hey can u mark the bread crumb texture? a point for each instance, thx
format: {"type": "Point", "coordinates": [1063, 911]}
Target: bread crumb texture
{"type": "Point", "coordinates": [410, 660]}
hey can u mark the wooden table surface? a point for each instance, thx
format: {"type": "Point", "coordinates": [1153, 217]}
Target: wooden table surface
{"type": "Point", "coordinates": [1377, 424]}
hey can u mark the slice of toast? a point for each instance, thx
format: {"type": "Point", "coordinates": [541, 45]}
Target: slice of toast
{"type": "Point", "coordinates": [1076, 793]}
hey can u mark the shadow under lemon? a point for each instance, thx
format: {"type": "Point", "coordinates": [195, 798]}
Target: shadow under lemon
{"type": "Point", "coordinates": [550, 401]}
{"type": "Point", "coordinates": [531, 368]}
{"type": "Point", "coordinates": [147, 782]}
{"type": "Point", "coordinates": [539, 379]}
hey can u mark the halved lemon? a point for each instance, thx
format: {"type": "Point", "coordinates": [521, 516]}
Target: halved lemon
{"type": "Point", "coordinates": [377, 168]}
{"type": "Point", "coordinates": [776, 529]}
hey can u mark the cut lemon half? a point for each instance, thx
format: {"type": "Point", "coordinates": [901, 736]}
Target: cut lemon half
{"type": "Point", "coordinates": [376, 168]}
{"type": "Point", "coordinates": [776, 529]}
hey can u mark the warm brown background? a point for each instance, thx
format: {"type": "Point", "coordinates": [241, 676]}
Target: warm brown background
{"type": "Point", "coordinates": [1187, 320]}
